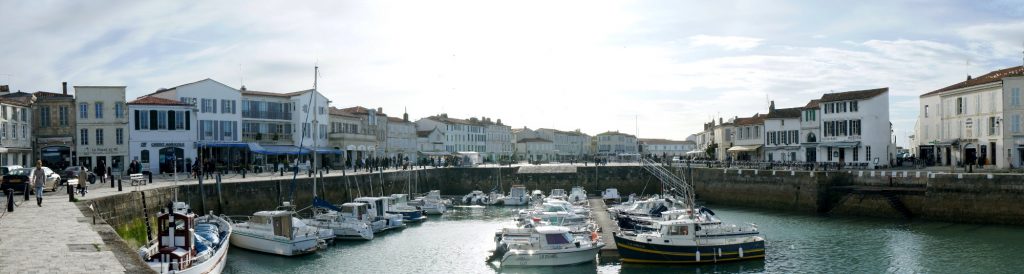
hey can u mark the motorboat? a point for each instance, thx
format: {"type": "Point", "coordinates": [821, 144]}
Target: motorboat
{"type": "Point", "coordinates": [279, 232]}
{"type": "Point", "coordinates": [399, 204]}
{"type": "Point", "coordinates": [347, 222]}
{"type": "Point", "coordinates": [691, 238]}
{"type": "Point", "coordinates": [475, 198]}
{"type": "Point", "coordinates": [578, 195]}
{"type": "Point", "coordinates": [378, 210]}
{"type": "Point", "coordinates": [544, 246]}
{"type": "Point", "coordinates": [558, 193]}
{"type": "Point", "coordinates": [560, 214]}
{"type": "Point", "coordinates": [495, 198]}
{"type": "Point", "coordinates": [611, 196]}
{"type": "Point", "coordinates": [186, 243]}
{"type": "Point", "coordinates": [537, 196]}
{"type": "Point", "coordinates": [432, 204]}
{"type": "Point", "coordinates": [517, 196]}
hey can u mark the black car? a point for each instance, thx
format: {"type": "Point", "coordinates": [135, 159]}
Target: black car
{"type": "Point", "coordinates": [16, 179]}
{"type": "Point", "coordinates": [72, 172]}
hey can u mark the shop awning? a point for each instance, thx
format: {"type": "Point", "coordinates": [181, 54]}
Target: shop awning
{"type": "Point", "coordinates": [851, 144]}
{"type": "Point", "coordinates": [946, 142]}
{"type": "Point", "coordinates": [695, 152]}
{"type": "Point", "coordinates": [435, 153]}
{"type": "Point", "coordinates": [224, 144]}
{"type": "Point", "coordinates": [276, 150]}
{"type": "Point", "coordinates": [744, 148]}
{"type": "Point", "coordinates": [328, 150]}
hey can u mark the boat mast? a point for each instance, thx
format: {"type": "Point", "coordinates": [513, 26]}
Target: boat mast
{"type": "Point", "coordinates": [316, 71]}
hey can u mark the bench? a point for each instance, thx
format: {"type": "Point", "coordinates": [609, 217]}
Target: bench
{"type": "Point", "coordinates": [137, 179]}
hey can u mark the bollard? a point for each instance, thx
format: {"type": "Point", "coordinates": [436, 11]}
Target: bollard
{"type": "Point", "coordinates": [111, 181]}
{"type": "Point", "coordinates": [150, 177]}
{"type": "Point", "coordinates": [118, 184]}
{"type": "Point", "coordinates": [282, 171]}
{"type": "Point", "coordinates": [10, 199]}
{"type": "Point", "coordinates": [24, 190]}
{"type": "Point", "coordinates": [243, 173]}
{"type": "Point", "coordinates": [71, 193]}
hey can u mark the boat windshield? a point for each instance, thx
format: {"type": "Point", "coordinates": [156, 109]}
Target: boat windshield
{"type": "Point", "coordinates": [554, 239]}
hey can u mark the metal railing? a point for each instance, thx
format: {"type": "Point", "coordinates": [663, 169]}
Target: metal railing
{"type": "Point", "coordinates": [674, 184]}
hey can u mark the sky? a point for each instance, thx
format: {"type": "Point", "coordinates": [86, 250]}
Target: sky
{"type": "Point", "coordinates": [654, 68]}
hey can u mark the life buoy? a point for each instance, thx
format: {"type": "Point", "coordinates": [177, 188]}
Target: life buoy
{"type": "Point", "coordinates": [593, 236]}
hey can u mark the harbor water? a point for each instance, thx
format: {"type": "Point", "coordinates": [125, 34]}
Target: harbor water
{"type": "Point", "coordinates": [461, 240]}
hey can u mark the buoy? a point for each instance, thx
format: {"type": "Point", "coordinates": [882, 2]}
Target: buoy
{"type": "Point", "coordinates": [698, 255]}
{"type": "Point", "coordinates": [741, 252]}
{"type": "Point", "coordinates": [593, 235]}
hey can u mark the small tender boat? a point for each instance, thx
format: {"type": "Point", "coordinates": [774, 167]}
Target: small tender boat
{"type": "Point", "coordinates": [432, 204]}
{"type": "Point", "coordinates": [475, 198]}
{"type": "Point", "coordinates": [378, 208]}
{"type": "Point", "coordinates": [347, 222]}
{"type": "Point", "coordinates": [186, 243]}
{"type": "Point", "coordinates": [611, 196]}
{"type": "Point", "coordinates": [691, 238]}
{"type": "Point", "coordinates": [517, 196]}
{"type": "Point", "coordinates": [279, 232]}
{"type": "Point", "coordinates": [558, 193]}
{"type": "Point", "coordinates": [399, 204]}
{"type": "Point", "coordinates": [544, 246]}
{"type": "Point", "coordinates": [577, 195]}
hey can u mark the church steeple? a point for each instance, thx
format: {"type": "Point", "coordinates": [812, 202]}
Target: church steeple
{"type": "Point", "coordinates": [405, 116]}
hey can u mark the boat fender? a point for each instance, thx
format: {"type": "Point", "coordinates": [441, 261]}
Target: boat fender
{"type": "Point", "coordinates": [593, 236]}
{"type": "Point", "coordinates": [698, 255]}
{"type": "Point", "coordinates": [741, 252]}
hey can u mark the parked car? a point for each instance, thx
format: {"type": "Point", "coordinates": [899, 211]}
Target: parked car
{"type": "Point", "coordinates": [19, 178]}
{"type": "Point", "coordinates": [7, 169]}
{"type": "Point", "coordinates": [72, 172]}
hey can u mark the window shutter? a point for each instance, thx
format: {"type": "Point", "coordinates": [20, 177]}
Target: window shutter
{"type": "Point", "coordinates": [153, 119]}
{"type": "Point", "coordinates": [170, 120]}
{"type": "Point", "coordinates": [188, 120]}
{"type": "Point", "coordinates": [136, 119]}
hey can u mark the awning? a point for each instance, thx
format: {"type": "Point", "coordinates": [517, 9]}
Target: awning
{"type": "Point", "coordinates": [851, 144]}
{"type": "Point", "coordinates": [276, 150]}
{"type": "Point", "coordinates": [224, 144]}
{"type": "Point", "coordinates": [435, 153]}
{"type": "Point", "coordinates": [328, 150]}
{"type": "Point", "coordinates": [744, 148]}
{"type": "Point", "coordinates": [946, 142]}
{"type": "Point", "coordinates": [696, 152]}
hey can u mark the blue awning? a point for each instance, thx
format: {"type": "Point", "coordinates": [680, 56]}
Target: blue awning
{"type": "Point", "coordinates": [328, 150]}
{"type": "Point", "coordinates": [224, 144]}
{"type": "Point", "coordinates": [276, 150]}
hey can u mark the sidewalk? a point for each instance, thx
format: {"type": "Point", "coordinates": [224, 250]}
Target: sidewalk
{"type": "Point", "coordinates": [54, 238]}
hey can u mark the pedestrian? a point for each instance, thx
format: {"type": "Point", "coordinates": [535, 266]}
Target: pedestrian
{"type": "Point", "coordinates": [83, 178]}
{"type": "Point", "coordinates": [38, 180]}
{"type": "Point", "coordinates": [100, 171]}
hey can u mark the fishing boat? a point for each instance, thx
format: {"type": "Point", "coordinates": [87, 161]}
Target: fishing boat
{"type": "Point", "coordinates": [544, 246]}
{"type": "Point", "coordinates": [517, 196]}
{"type": "Point", "coordinates": [578, 195]}
{"type": "Point", "coordinates": [378, 208]}
{"type": "Point", "coordinates": [475, 198]}
{"type": "Point", "coordinates": [432, 204]}
{"type": "Point", "coordinates": [347, 222]}
{"type": "Point", "coordinates": [611, 196]}
{"type": "Point", "coordinates": [279, 232]}
{"type": "Point", "coordinates": [399, 204]}
{"type": "Point", "coordinates": [691, 238]}
{"type": "Point", "coordinates": [186, 243]}
{"type": "Point", "coordinates": [558, 193]}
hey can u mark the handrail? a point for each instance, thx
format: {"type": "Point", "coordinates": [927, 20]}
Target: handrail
{"type": "Point", "coordinates": [675, 185]}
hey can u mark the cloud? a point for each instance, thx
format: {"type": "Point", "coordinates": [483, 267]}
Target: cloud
{"type": "Point", "coordinates": [725, 42]}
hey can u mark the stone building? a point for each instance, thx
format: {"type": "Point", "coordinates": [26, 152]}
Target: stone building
{"type": "Point", "coordinates": [16, 133]}
{"type": "Point", "coordinates": [163, 136]}
{"type": "Point", "coordinates": [401, 138]}
{"type": "Point", "coordinates": [782, 135]}
{"type": "Point", "coordinates": [102, 126]}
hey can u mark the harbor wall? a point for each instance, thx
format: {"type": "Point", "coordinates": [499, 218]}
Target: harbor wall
{"type": "Point", "coordinates": [974, 198]}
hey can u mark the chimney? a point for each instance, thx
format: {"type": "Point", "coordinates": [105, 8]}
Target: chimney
{"type": "Point", "coordinates": [380, 110]}
{"type": "Point", "coordinates": [772, 106]}
{"type": "Point", "coordinates": [720, 121]}
{"type": "Point", "coordinates": [65, 84]}
{"type": "Point", "coordinates": [5, 89]}
{"type": "Point", "coordinates": [405, 117]}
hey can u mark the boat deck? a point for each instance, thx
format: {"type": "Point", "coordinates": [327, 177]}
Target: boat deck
{"type": "Point", "coordinates": [608, 226]}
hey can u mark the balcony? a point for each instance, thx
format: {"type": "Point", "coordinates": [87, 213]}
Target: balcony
{"type": "Point", "coordinates": [260, 137]}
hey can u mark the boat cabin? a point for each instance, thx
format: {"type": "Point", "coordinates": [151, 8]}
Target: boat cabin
{"type": "Point", "coordinates": [176, 241]}
{"type": "Point", "coordinates": [554, 237]}
{"type": "Point", "coordinates": [434, 194]}
{"type": "Point", "coordinates": [517, 191]}
{"type": "Point", "coordinates": [281, 222]}
{"type": "Point", "coordinates": [400, 199]}
{"type": "Point", "coordinates": [356, 210]}
{"type": "Point", "coordinates": [558, 192]}
{"type": "Point", "coordinates": [376, 205]}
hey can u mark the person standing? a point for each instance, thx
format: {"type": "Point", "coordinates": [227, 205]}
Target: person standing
{"type": "Point", "coordinates": [101, 172]}
{"type": "Point", "coordinates": [38, 180]}
{"type": "Point", "coordinates": [83, 178]}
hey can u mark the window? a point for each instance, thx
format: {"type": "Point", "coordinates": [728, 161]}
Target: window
{"type": "Point", "coordinates": [84, 139]}
{"type": "Point", "coordinates": [856, 152]}
{"type": "Point", "coordinates": [179, 120]}
{"type": "Point", "coordinates": [161, 120]}
{"type": "Point", "coordinates": [1015, 97]}
{"type": "Point", "coordinates": [960, 105]}
{"type": "Point", "coordinates": [227, 129]}
{"type": "Point", "coordinates": [99, 110]}
{"type": "Point", "coordinates": [991, 125]}
{"type": "Point", "coordinates": [99, 136]}
{"type": "Point", "coordinates": [63, 115]}
{"type": "Point", "coordinates": [925, 111]}
{"type": "Point", "coordinates": [119, 136]}
{"type": "Point", "coordinates": [14, 131]}
{"type": "Point", "coordinates": [867, 153]}
{"type": "Point", "coordinates": [853, 106]}
{"type": "Point", "coordinates": [144, 155]}
{"type": "Point", "coordinates": [24, 131]}
{"type": "Point", "coordinates": [143, 119]}
{"type": "Point", "coordinates": [44, 116]}
{"type": "Point", "coordinates": [227, 106]}
{"type": "Point", "coordinates": [209, 105]}
{"type": "Point", "coordinates": [206, 128]}
{"type": "Point", "coordinates": [83, 110]}
{"type": "Point", "coordinates": [1016, 123]}
{"type": "Point", "coordinates": [119, 110]}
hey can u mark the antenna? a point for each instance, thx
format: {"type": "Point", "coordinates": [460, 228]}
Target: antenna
{"type": "Point", "coordinates": [241, 77]}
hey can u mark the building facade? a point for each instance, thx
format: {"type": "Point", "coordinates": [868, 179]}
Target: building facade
{"type": "Point", "coordinates": [855, 128]}
{"type": "Point", "coordinates": [430, 143]}
{"type": "Point", "coordinates": [349, 133]}
{"type": "Point", "coordinates": [810, 129]}
{"type": "Point", "coordinates": [569, 145]}
{"type": "Point", "coordinates": [102, 125]}
{"type": "Point", "coordinates": [163, 137]}
{"type": "Point", "coordinates": [782, 135]}
{"type": "Point", "coordinates": [401, 138]}
{"type": "Point", "coordinates": [613, 143]}
{"type": "Point", "coordinates": [498, 140]}
{"type": "Point", "coordinates": [217, 119]}
{"type": "Point", "coordinates": [54, 129]}
{"type": "Point", "coordinates": [535, 150]}
{"type": "Point", "coordinates": [16, 131]}
{"type": "Point", "coordinates": [666, 148]}
{"type": "Point", "coordinates": [460, 134]}
{"type": "Point", "coordinates": [748, 143]}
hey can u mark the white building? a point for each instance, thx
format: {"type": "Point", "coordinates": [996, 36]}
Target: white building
{"type": "Point", "coordinates": [810, 129]}
{"type": "Point", "coordinates": [285, 126]}
{"type": "Point", "coordinates": [102, 126]}
{"type": "Point", "coordinates": [747, 144]}
{"type": "Point", "coordinates": [498, 140]}
{"type": "Point", "coordinates": [350, 133]}
{"type": "Point", "coordinates": [614, 143]}
{"type": "Point", "coordinates": [430, 143]}
{"type": "Point", "coordinates": [782, 135]}
{"type": "Point", "coordinates": [535, 150]}
{"type": "Point", "coordinates": [401, 141]}
{"type": "Point", "coordinates": [856, 128]}
{"type": "Point", "coordinates": [569, 145]}
{"type": "Point", "coordinates": [16, 131]}
{"type": "Point", "coordinates": [218, 118]}
{"type": "Point", "coordinates": [460, 134]}
{"type": "Point", "coordinates": [666, 148]}
{"type": "Point", "coordinates": [161, 133]}
{"type": "Point", "coordinates": [724, 135]}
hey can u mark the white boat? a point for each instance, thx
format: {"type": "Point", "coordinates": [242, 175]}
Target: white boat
{"type": "Point", "coordinates": [560, 214]}
{"type": "Point", "coordinates": [432, 204]}
{"type": "Point", "coordinates": [347, 222]}
{"type": "Point", "coordinates": [399, 204]}
{"type": "Point", "coordinates": [186, 243]}
{"type": "Point", "coordinates": [378, 207]}
{"type": "Point", "coordinates": [517, 196]}
{"type": "Point", "coordinates": [577, 195]}
{"type": "Point", "coordinates": [537, 196]}
{"type": "Point", "coordinates": [279, 232]}
{"type": "Point", "coordinates": [558, 193]}
{"type": "Point", "coordinates": [544, 246]}
{"type": "Point", "coordinates": [611, 196]}
{"type": "Point", "coordinates": [475, 198]}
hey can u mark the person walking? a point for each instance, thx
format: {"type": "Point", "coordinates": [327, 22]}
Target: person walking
{"type": "Point", "coordinates": [101, 171]}
{"type": "Point", "coordinates": [83, 181]}
{"type": "Point", "coordinates": [38, 180]}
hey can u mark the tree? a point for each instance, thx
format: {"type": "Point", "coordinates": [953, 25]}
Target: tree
{"type": "Point", "coordinates": [710, 150]}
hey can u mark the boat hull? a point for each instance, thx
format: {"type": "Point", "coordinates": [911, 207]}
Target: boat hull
{"type": "Point", "coordinates": [276, 245]}
{"type": "Point", "coordinates": [410, 216]}
{"type": "Point", "coordinates": [631, 251]}
{"type": "Point", "coordinates": [434, 209]}
{"type": "Point", "coordinates": [546, 258]}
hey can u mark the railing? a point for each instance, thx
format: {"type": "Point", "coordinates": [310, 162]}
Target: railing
{"type": "Point", "coordinates": [679, 187]}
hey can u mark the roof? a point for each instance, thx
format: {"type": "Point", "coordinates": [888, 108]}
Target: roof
{"type": "Point", "coordinates": [162, 90]}
{"type": "Point", "coordinates": [50, 94]}
{"type": "Point", "coordinates": [752, 120]}
{"type": "Point", "coordinates": [274, 94]}
{"type": "Point", "coordinates": [358, 110]}
{"type": "Point", "coordinates": [152, 100]}
{"type": "Point", "coordinates": [853, 95]}
{"type": "Point", "coordinates": [18, 98]}
{"type": "Point", "coordinates": [531, 140]}
{"type": "Point", "coordinates": [571, 133]}
{"type": "Point", "coordinates": [614, 133]}
{"type": "Point", "coordinates": [338, 112]}
{"type": "Point", "coordinates": [664, 141]}
{"type": "Point", "coordinates": [990, 77]}
{"type": "Point", "coordinates": [397, 120]}
{"type": "Point", "coordinates": [785, 113]}
{"type": "Point", "coordinates": [14, 101]}
{"type": "Point", "coordinates": [813, 104]}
